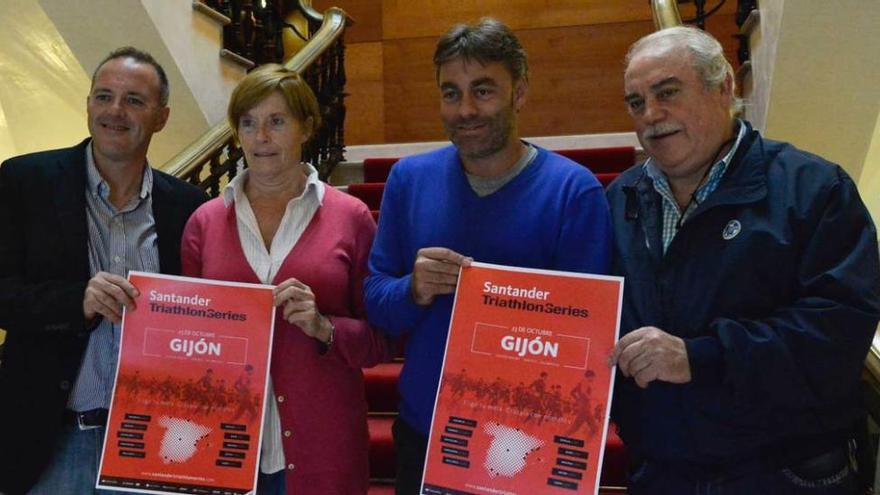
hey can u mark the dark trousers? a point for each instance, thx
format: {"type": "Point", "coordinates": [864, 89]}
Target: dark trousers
{"type": "Point", "coordinates": [829, 473]}
{"type": "Point", "coordinates": [410, 447]}
{"type": "Point", "coordinates": [271, 484]}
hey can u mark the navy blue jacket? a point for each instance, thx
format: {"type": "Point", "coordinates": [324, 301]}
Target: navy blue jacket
{"type": "Point", "coordinates": [774, 284]}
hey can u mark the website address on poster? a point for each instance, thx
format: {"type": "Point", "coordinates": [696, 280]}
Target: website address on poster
{"type": "Point", "coordinates": [489, 490]}
{"type": "Point", "coordinates": [548, 308]}
{"type": "Point", "coordinates": [180, 477]}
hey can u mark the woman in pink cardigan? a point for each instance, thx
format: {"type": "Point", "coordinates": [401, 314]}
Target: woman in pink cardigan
{"type": "Point", "coordinates": [276, 223]}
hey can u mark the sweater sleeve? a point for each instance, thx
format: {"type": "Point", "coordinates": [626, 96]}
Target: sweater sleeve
{"type": "Point", "coordinates": [584, 244]}
{"type": "Point", "coordinates": [358, 343]}
{"type": "Point", "coordinates": [191, 246]}
{"type": "Point", "coordinates": [387, 294]}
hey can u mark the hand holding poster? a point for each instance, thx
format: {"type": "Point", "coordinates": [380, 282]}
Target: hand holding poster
{"type": "Point", "coordinates": [187, 408]}
{"type": "Point", "coordinates": [524, 396]}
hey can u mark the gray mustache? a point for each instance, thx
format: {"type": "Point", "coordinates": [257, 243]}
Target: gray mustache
{"type": "Point", "coordinates": [660, 129]}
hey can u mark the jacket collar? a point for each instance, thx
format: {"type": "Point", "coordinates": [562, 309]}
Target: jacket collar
{"type": "Point", "coordinates": [746, 178]}
{"type": "Point", "coordinates": [167, 210]}
{"type": "Point", "coordinates": [70, 203]}
{"type": "Point", "coordinates": [744, 182]}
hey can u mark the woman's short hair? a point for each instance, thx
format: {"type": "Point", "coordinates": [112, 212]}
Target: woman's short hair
{"type": "Point", "coordinates": [265, 80]}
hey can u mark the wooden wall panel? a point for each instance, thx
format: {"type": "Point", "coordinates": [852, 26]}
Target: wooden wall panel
{"type": "Point", "coordinates": [422, 18]}
{"type": "Point", "coordinates": [365, 112]}
{"type": "Point", "coordinates": [576, 81]}
{"type": "Point", "coordinates": [412, 99]}
{"type": "Point", "coordinates": [576, 50]}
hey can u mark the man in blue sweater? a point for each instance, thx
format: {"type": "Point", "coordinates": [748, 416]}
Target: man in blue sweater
{"type": "Point", "coordinates": [490, 197]}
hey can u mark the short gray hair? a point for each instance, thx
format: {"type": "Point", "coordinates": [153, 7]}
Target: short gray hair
{"type": "Point", "coordinates": [706, 52]}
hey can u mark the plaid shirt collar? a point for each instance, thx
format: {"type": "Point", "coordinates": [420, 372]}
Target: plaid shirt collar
{"type": "Point", "coordinates": [673, 217]}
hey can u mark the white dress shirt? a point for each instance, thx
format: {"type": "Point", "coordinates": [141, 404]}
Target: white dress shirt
{"type": "Point", "coordinates": [297, 216]}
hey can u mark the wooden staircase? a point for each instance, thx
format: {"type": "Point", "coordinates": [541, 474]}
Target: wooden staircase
{"type": "Point", "coordinates": [254, 33]}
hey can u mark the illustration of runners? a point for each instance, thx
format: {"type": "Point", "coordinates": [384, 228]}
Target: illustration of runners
{"type": "Point", "coordinates": [587, 413]}
{"type": "Point", "coordinates": [247, 402]}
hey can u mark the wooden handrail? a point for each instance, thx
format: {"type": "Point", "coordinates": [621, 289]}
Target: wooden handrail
{"type": "Point", "coordinates": [872, 362]}
{"type": "Point", "coordinates": [208, 144]}
{"type": "Point", "coordinates": [666, 14]}
{"type": "Point", "coordinates": [311, 14]}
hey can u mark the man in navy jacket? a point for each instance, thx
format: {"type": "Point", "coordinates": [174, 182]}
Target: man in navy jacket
{"type": "Point", "coordinates": [751, 291]}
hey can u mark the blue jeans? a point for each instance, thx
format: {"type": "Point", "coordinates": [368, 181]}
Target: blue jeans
{"type": "Point", "coordinates": [74, 467]}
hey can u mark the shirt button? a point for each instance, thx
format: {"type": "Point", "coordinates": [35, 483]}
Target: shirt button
{"type": "Point", "coordinates": [64, 385]}
{"type": "Point", "coordinates": [280, 398]}
{"type": "Point", "coordinates": [290, 467]}
{"type": "Point", "coordinates": [287, 433]}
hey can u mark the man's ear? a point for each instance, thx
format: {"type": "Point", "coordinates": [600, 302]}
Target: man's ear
{"type": "Point", "coordinates": [727, 89]}
{"type": "Point", "coordinates": [519, 94]}
{"type": "Point", "coordinates": [164, 112]}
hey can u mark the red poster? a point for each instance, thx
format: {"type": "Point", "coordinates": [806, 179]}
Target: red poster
{"type": "Point", "coordinates": [525, 392]}
{"type": "Point", "coordinates": [190, 390]}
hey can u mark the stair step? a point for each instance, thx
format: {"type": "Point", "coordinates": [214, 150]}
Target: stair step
{"type": "Point", "coordinates": [383, 463]}
{"type": "Point", "coordinates": [238, 59]}
{"type": "Point", "coordinates": [381, 489]}
{"type": "Point", "coordinates": [381, 387]}
{"type": "Point", "coordinates": [611, 160]}
{"type": "Point", "coordinates": [615, 461]}
{"type": "Point", "coordinates": [368, 192]}
{"type": "Point", "coordinates": [219, 17]}
{"type": "Point", "coordinates": [377, 169]}
{"type": "Point", "coordinates": [603, 160]}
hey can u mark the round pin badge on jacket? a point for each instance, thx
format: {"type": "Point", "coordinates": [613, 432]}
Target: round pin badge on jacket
{"type": "Point", "coordinates": [731, 230]}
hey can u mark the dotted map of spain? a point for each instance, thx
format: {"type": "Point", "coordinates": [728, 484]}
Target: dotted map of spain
{"type": "Point", "coordinates": [181, 439]}
{"type": "Point", "coordinates": [509, 450]}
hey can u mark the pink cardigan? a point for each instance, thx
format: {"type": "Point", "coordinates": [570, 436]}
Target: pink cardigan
{"type": "Point", "coordinates": [323, 405]}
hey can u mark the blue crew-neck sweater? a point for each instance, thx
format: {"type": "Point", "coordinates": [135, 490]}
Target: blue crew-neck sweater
{"type": "Point", "coordinates": [553, 215]}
